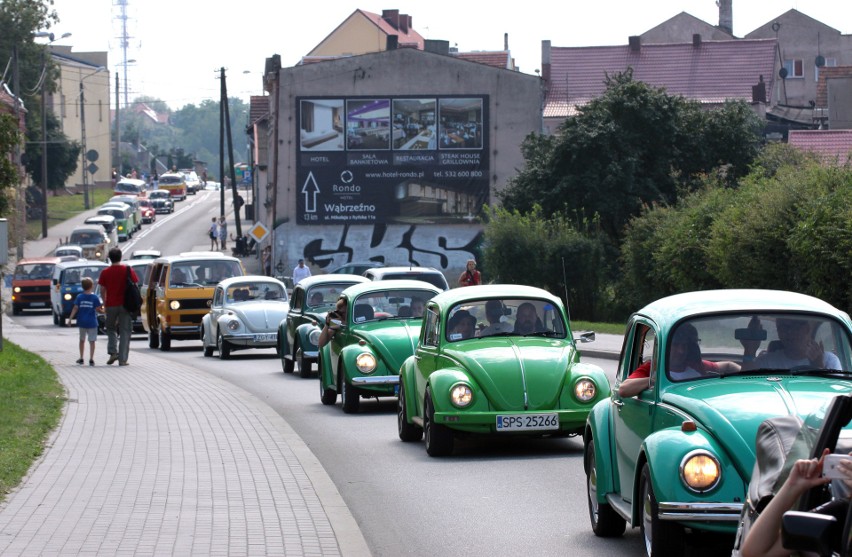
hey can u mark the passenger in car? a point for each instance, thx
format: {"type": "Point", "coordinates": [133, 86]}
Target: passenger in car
{"type": "Point", "coordinates": [796, 347]}
{"type": "Point", "coordinates": [330, 328]}
{"type": "Point", "coordinates": [462, 325]}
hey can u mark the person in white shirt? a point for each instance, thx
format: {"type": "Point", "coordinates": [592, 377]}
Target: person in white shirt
{"type": "Point", "coordinates": [300, 272]}
{"type": "Point", "coordinates": [798, 348]}
{"type": "Point", "coordinates": [494, 313]}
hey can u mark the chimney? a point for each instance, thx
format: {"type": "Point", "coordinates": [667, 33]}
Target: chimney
{"type": "Point", "coordinates": [392, 17]}
{"type": "Point", "coordinates": [505, 41]}
{"type": "Point", "coordinates": [726, 15]}
{"type": "Point", "coordinates": [392, 42]}
{"type": "Point", "coordinates": [696, 40]}
{"type": "Point", "coordinates": [635, 42]}
{"type": "Point", "coordinates": [758, 92]}
{"type": "Point", "coordinates": [545, 61]}
{"type": "Point", "coordinates": [404, 23]}
{"type": "Point", "coordinates": [436, 46]}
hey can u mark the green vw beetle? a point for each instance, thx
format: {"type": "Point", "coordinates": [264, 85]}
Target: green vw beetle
{"type": "Point", "coordinates": [495, 359]}
{"type": "Point", "coordinates": [673, 448]}
{"type": "Point", "coordinates": [376, 335]}
{"type": "Point", "coordinates": [298, 334]}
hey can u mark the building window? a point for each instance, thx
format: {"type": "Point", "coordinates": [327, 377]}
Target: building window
{"type": "Point", "coordinates": [829, 63]}
{"type": "Point", "coordinates": [795, 68]}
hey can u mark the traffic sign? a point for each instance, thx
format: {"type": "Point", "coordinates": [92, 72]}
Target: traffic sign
{"type": "Point", "coordinates": [92, 155]}
{"type": "Point", "coordinates": [92, 168]}
{"type": "Point", "coordinates": [259, 232]}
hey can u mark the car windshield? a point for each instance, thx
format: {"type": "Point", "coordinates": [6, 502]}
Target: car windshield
{"type": "Point", "coordinates": [505, 317]}
{"type": "Point", "coordinates": [718, 345]}
{"type": "Point", "coordinates": [435, 279]}
{"type": "Point", "coordinates": [245, 292]}
{"type": "Point", "coordinates": [323, 297]}
{"type": "Point", "coordinates": [170, 180]}
{"type": "Point", "coordinates": [390, 304]}
{"type": "Point", "coordinates": [86, 237]}
{"type": "Point", "coordinates": [33, 271]}
{"type": "Point", "coordinates": [203, 273]}
{"type": "Point", "coordinates": [158, 195]}
{"type": "Point", "coordinates": [74, 275]}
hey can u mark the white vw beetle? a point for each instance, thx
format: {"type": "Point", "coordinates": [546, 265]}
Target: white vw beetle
{"type": "Point", "coordinates": [245, 313]}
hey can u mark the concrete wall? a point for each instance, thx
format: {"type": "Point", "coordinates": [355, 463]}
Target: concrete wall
{"type": "Point", "coordinates": [514, 111]}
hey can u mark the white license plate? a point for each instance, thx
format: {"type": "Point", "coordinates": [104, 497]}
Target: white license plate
{"type": "Point", "coordinates": [527, 422]}
{"type": "Point", "coordinates": [266, 337]}
{"type": "Point", "coordinates": [37, 304]}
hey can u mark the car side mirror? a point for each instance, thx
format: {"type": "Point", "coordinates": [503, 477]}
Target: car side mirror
{"type": "Point", "coordinates": [804, 531]}
{"type": "Point", "coordinates": [750, 334]}
{"type": "Point", "coordinates": [588, 336]}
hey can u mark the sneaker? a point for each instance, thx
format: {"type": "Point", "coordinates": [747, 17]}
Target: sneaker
{"type": "Point", "coordinates": [80, 362]}
{"type": "Point", "coordinates": [123, 364]}
{"type": "Point", "coordinates": [112, 359]}
{"type": "Point", "coordinates": [91, 362]}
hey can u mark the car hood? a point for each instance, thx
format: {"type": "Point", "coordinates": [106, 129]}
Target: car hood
{"type": "Point", "coordinates": [260, 316]}
{"type": "Point", "coordinates": [732, 408]}
{"type": "Point", "coordinates": [393, 340]}
{"type": "Point", "coordinates": [516, 373]}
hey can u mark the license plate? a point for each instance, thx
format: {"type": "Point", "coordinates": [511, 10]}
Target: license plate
{"type": "Point", "coordinates": [527, 422]}
{"type": "Point", "coordinates": [266, 337]}
{"type": "Point", "coordinates": [37, 304]}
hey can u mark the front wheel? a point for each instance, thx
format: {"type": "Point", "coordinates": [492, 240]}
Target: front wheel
{"type": "Point", "coordinates": [407, 432]}
{"type": "Point", "coordinates": [153, 339]}
{"type": "Point", "coordinates": [327, 396]}
{"type": "Point", "coordinates": [439, 438]}
{"type": "Point", "coordinates": [224, 347]}
{"type": "Point", "coordinates": [304, 363]}
{"type": "Point", "coordinates": [165, 340]}
{"type": "Point", "coordinates": [606, 523]}
{"type": "Point", "coordinates": [661, 537]}
{"type": "Point", "coordinates": [349, 394]}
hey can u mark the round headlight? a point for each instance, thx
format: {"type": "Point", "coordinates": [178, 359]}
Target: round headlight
{"type": "Point", "coordinates": [585, 390]}
{"type": "Point", "coordinates": [67, 297]}
{"type": "Point", "coordinates": [313, 338]}
{"type": "Point", "coordinates": [17, 289]}
{"type": "Point", "coordinates": [365, 362]}
{"type": "Point", "coordinates": [174, 304]}
{"type": "Point", "coordinates": [461, 395]}
{"type": "Point", "coordinates": [700, 471]}
{"type": "Point", "coordinates": [233, 325]}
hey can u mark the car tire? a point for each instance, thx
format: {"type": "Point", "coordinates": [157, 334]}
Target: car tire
{"type": "Point", "coordinates": [661, 537]}
{"type": "Point", "coordinates": [153, 339]}
{"type": "Point", "coordinates": [407, 432]}
{"type": "Point", "coordinates": [348, 394]}
{"type": "Point", "coordinates": [287, 364]}
{"type": "Point", "coordinates": [208, 349]}
{"type": "Point", "coordinates": [606, 523]}
{"type": "Point", "coordinates": [55, 317]}
{"type": "Point", "coordinates": [304, 363]}
{"type": "Point", "coordinates": [224, 347]}
{"type": "Point", "coordinates": [439, 438]}
{"type": "Point", "coordinates": [165, 340]}
{"type": "Point", "coordinates": [17, 310]}
{"type": "Point", "coordinates": [327, 396]}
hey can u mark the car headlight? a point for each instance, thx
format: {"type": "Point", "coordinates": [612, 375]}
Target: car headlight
{"type": "Point", "coordinates": [700, 471]}
{"type": "Point", "coordinates": [174, 305]}
{"type": "Point", "coordinates": [67, 297]}
{"type": "Point", "coordinates": [585, 390]}
{"type": "Point", "coordinates": [461, 395]}
{"type": "Point", "coordinates": [365, 362]}
{"type": "Point", "coordinates": [233, 325]}
{"type": "Point", "coordinates": [17, 289]}
{"type": "Point", "coordinates": [313, 337]}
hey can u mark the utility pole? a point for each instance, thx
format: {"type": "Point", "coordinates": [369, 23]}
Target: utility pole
{"type": "Point", "coordinates": [21, 200]}
{"type": "Point", "coordinates": [222, 101]}
{"type": "Point", "coordinates": [44, 143]}
{"type": "Point", "coordinates": [116, 163]}
{"type": "Point", "coordinates": [83, 141]}
{"type": "Point", "coordinates": [234, 195]}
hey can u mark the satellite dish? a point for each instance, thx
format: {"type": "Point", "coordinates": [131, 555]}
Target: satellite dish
{"type": "Point", "coordinates": [820, 61]}
{"type": "Point", "coordinates": [782, 73]}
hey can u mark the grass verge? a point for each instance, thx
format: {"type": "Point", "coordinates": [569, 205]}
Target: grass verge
{"type": "Point", "coordinates": [31, 399]}
{"type": "Point", "coordinates": [604, 328]}
{"type": "Point", "coordinates": [63, 207]}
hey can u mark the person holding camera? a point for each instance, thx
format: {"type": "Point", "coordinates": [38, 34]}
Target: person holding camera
{"type": "Point", "coordinates": [330, 328]}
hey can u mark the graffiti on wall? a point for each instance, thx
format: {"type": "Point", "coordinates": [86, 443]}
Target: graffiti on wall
{"type": "Point", "coordinates": [427, 246]}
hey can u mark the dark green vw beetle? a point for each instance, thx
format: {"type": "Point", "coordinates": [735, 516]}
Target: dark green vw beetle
{"type": "Point", "coordinates": [379, 332]}
{"type": "Point", "coordinates": [312, 299]}
{"type": "Point", "coordinates": [673, 448]}
{"type": "Point", "coordinates": [495, 359]}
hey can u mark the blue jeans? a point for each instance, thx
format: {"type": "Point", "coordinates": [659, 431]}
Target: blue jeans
{"type": "Point", "coordinates": [119, 327]}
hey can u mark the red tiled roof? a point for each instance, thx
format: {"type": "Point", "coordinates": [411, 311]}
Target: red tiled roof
{"type": "Point", "coordinates": [258, 107]}
{"type": "Point", "coordinates": [822, 86]}
{"type": "Point", "coordinates": [830, 145]}
{"type": "Point", "coordinates": [409, 39]}
{"type": "Point", "coordinates": [712, 72]}
{"type": "Point", "coordinates": [497, 59]}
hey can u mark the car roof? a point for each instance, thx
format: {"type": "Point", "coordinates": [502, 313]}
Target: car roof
{"type": "Point", "coordinates": [195, 256]}
{"type": "Point", "coordinates": [36, 260]}
{"type": "Point", "coordinates": [379, 286]}
{"type": "Point", "coordinates": [403, 269]}
{"type": "Point", "coordinates": [88, 227]}
{"type": "Point", "coordinates": [81, 263]}
{"type": "Point", "coordinates": [330, 278]}
{"type": "Point", "coordinates": [100, 218]}
{"type": "Point", "coordinates": [455, 296]}
{"type": "Point", "coordinates": [673, 308]}
{"type": "Point", "coordinates": [161, 192]}
{"type": "Point", "coordinates": [115, 204]}
{"type": "Point", "coordinates": [133, 181]}
{"type": "Point", "coordinates": [253, 279]}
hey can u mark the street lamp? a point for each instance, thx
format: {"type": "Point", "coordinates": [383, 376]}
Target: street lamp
{"type": "Point", "coordinates": [83, 136]}
{"type": "Point", "coordinates": [50, 36]}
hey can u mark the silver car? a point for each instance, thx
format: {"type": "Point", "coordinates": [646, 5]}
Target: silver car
{"type": "Point", "coordinates": [245, 313]}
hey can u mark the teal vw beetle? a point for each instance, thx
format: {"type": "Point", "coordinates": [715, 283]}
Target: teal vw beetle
{"type": "Point", "coordinates": [377, 334]}
{"type": "Point", "coordinates": [673, 448]}
{"type": "Point", "coordinates": [495, 359]}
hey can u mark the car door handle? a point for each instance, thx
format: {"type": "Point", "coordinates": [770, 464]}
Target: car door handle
{"type": "Point", "coordinates": [618, 402]}
{"type": "Point", "coordinates": [417, 358]}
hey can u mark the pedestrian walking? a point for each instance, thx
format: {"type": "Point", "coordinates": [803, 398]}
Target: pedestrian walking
{"type": "Point", "coordinates": [223, 233]}
{"type": "Point", "coordinates": [213, 233]}
{"type": "Point", "coordinates": [300, 272]}
{"type": "Point", "coordinates": [86, 308]}
{"type": "Point", "coordinates": [119, 322]}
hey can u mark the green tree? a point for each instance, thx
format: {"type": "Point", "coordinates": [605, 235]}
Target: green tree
{"type": "Point", "coordinates": [63, 155]}
{"type": "Point", "coordinates": [9, 138]}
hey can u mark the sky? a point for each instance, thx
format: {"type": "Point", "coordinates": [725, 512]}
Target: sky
{"type": "Point", "coordinates": [176, 48]}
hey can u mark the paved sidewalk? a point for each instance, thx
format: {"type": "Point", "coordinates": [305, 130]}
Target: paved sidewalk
{"type": "Point", "coordinates": [149, 460]}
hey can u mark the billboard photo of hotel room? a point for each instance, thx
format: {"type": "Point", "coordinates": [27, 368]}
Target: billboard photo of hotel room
{"type": "Point", "coordinates": [321, 126]}
{"type": "Point", "coordinates": [368, 124]}
{"type": "Point", "coordinates": [422, 202]}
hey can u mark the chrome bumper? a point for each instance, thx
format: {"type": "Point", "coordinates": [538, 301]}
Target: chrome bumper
{"type": "Point", "coordinates": [701, 512]}
{"type": "Point", "coordinates": [378, 380]}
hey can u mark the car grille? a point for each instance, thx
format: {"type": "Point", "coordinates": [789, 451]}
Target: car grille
{"type": "Point", "coordinates": [195, 303]}
{"type": "Point", "coordinates": [45, 289]}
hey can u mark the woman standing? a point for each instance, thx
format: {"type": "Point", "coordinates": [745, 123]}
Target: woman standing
{"type": "Point", "coordinates": [470, 276]}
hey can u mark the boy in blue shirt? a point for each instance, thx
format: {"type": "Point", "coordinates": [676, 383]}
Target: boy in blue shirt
{"type": "Point", "coordinates": [86, 307]}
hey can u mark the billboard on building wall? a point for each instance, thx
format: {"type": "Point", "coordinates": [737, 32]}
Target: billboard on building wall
{"type": "Point", "coordinates": [385, 159]}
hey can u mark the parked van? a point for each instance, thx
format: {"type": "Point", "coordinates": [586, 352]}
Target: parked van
{"type": "Point", "coordinates": [110, 227]}
{"type": "Point", "coordinates": [132, 186]}
{"type": "Point", "coordinates": [93, 240]}
{"type": "Point", "coordinates": [175, 184]}
{"type": "Point", "coordinates": [123, 218]}
{"type": "Point", "coordinates": [31, 283]}
{"type": "Point", "coordinates": [66, 284]}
